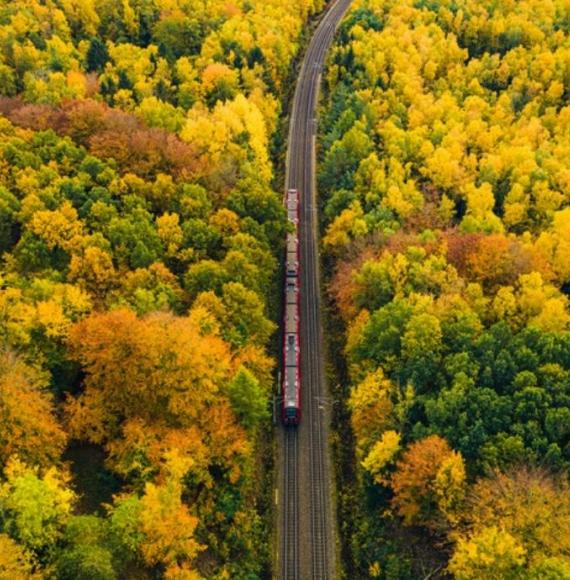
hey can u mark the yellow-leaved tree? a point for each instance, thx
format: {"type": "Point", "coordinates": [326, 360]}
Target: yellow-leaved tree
{"type": "Point", "coordinates": [488, 554]}
{"type": "Point", "coordinates": [372, 407]}
{"type": "Point", "coordinates": [15, 562]}
{"type": "Point", "coordinates": [513, 523]}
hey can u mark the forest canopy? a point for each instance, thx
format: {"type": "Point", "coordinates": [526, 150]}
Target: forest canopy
{"type": "Point", "coordinates": [444, 183]}
{"type": "Point", "coordinates": [139, 236]}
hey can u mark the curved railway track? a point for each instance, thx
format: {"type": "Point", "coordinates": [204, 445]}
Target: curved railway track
{"type": "Point", "coordinates": [307, 539]}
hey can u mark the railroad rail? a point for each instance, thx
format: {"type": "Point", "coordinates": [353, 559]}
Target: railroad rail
{"type": "Point", "coordinates": [290, 539]}
{"type": "Point", "coordinates": [307, 541]}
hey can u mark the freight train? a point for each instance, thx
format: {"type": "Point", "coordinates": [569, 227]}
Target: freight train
{"type": "Point", "coordinates": [291, 336]}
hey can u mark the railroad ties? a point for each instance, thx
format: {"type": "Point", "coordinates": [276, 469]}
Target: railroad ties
{"type": "Point", "coordinates": [307, 542]}
{"type": "Point", "coordinates": [290, 555]}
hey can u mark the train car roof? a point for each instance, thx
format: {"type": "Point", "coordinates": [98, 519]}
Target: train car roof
{"type": "Point", "coordinates": [290, 394]}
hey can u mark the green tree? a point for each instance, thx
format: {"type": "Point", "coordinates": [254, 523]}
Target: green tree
{"type": "Point", "coordinates": [248, 399]}
{"type": "Point", "coordinates": [89, 562]}
{"type": "Point", "coordinates": [86, 554]}
{"type": "Point", "coordinates": [246, 322]}
{"type": "Point", "coordinates": [35, 508]}
{"type": "Point", "coordinates": [97, 55]}
{"type": "Point", "coordinates": [9, 206]}
{"type": "Point", "coordinates": [343, 158]}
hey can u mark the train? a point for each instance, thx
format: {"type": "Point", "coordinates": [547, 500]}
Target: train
{"type": "Point", "coordinates": [291, 388]}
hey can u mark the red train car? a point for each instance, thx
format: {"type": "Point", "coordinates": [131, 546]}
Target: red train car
{"type": "Point", "coordinates": [291, 335]}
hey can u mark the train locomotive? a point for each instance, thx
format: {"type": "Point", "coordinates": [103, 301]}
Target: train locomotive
{"type": "Point", "coordinates": [291, 337]}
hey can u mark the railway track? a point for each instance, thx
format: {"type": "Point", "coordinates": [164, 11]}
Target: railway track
{"type": "Point", "coordinates": [290, 560]}
{"type": "Point", "coordinates": [307, 542]}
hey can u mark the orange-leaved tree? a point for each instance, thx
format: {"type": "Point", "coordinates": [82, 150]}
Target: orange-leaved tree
{"type": "Point", "coordinates": [28, 427]}
{"type": "Point", "coordinates": [151, 383]}
{"type": "Point", "coordinates": [429, 482]}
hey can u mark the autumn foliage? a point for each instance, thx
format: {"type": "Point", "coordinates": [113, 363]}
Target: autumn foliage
{"type": "Point", "coordinates": [444, 183]}
{"type": "Point", "coordinates": [29, 426]}
{"type": "Point", "coordinates": [513, 521]}
{"type": "Point", "coordinates": [139, 236]}
{"type": "Point", "coordinates": [419, 482]}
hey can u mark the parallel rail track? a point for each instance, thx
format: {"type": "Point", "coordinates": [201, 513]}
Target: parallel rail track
{"type": "Point", "coordinates": [290, 557]}
{"type": "Point", "coordinates": [309, 491]}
